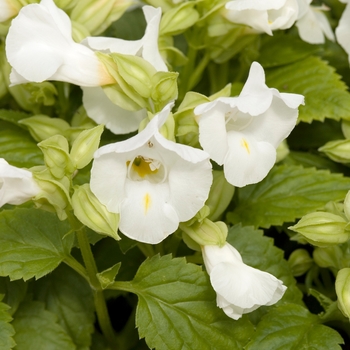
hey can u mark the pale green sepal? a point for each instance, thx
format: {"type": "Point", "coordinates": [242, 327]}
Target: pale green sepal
{"type": "Point", "coordinates": [345, 128]}
{"type": "Point", "coordinates": [329, 257]}
{"type": "Point", "coordinates": [300, 262]}
{"type": "Point", "coordinates": [224, 92]}
{"type": "Point", "coordinates": [338, 150]}
{"type": "Point", "coordinates": [56, 156]}
{"type": "Point", "coordinates": [85, 145]}
{"type": "Point", "coordinates": [178, 19]}
{"type": "Point", "coordinates": [282, 151]}
{"type": "Point", "coordinates": [164, 89]}
{"type": "Point", "coordinates": [79, 32]}
{"type": "Point", "coordinates": [220, 195]}
{"type": "Point", "coordinates": [190, 242]}
{"type": "Point", "coordinates": [107, 277]}
{"type": "Point", "coordinates": [54, 194]}
{"type": "Point", "coordinates": [322, 229]}
{"type": "Point", "coordinates": [174, 57]}
{"type": "Point", "coordinates": [42, 127]}
{"type": "Point", "coordinates": [342, 288]}
{"type": "Point", "coordinates": [206, 232]}
{"type": "Point", "coordinates": [92, 213]}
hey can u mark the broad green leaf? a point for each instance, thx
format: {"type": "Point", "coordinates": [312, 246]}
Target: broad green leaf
{"type": "Point", "coordinates": [12, 116]}
{"type": "Point", "coordinates": [326, 96]}
{"type": "Point", "coordinates": [259, 251]}
{"type": "Point", "coordinates": [287, 193]}
{"type": "Point", "coordinates": [292, 327]}
{"type": "Point", "coordinates": [37, 328]}
{"type": "Point", "coordinates": [69, 297]}
{"type": "Point", "coordinates": [6, 329]}
{"type": "Point", "coordinates": [177, 308]}
{"type": "Point", "coordinates": [14, 292]}
{"type": "Point", "coordinates": [18, 148]}
{"type": "Point", "coordinates": [32, 243]}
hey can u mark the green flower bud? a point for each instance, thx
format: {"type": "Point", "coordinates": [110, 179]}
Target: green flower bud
{"type": "Point", "coordinates": [66, 4]}
{"type": "Point", "coordinates": [178, 19]}
{"type": "Point", "coordinates": [57, 159]}
{"type": "Point", "coordinates": [79, 32]}
{"type": "Point", "coordinates": [329, 257]}
{"type": "Point", "coordinates": [206, 232]}
{"type": "Point", "coordinates": [54, 194]}
{"type": "Point", "coordinates": [164, 88]}
{"type": "Point", "coordinates": [300, 262]}
{"type": "Point", "coordinates": [220, 195]}
{"type": "Point", "coordinates": [41, 127]}
{"type": "Point", "coordinates": [85, 145]}
{"type": "Point", "coordinates": [345, 127]}
{"type": "Point", "coordinates": [342, 288]}
{"type": "Point", "coordinates": [282, 151]}
{"type": "Point", "coordinates": [93, 214]}
{"type": "Point", "coordinates": [322, 229]}
{"type": "Point", "coordinates": [347, 205]}
{"type": "Point", "coordinates": [339, 150]}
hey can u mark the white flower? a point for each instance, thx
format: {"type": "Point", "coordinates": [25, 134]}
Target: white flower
{"type": "Point", "coordinates": [242, 133]}
{"type": "Point", "coordinates": [263, 16]}
{"type": "Point", "coordinates": [16, 185]}
{"type": "Point", "coordinates": [240, 288]}
{"type": "Point", "coordinates": [342, 32]}
{"type": "Point", "coordinates": [39, 46]}
{"type": "Point", "coordinates": [312, 23]}
{"type": "Point", "coordinates": [151, 182]}
{"type": "Point", "coordinates": [98, 106]}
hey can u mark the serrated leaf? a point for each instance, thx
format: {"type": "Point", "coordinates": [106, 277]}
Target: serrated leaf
{"type": "Point", "coordinates": [32, 243]}
{"type": "Point", "coordinates": [326, 96]}
{"type": "Point", "coordinates": [69, 297]}
{"type": "Point", "coordinates": [18, 148]}
{"type": "Point", "coordinates": [292, 327]}
{"type": "Point", "coordinates": [177, 308]}
{"type": "Point", "coordinates": [107, 276]}
{"type": "Point", "coordinates": [259, 251]}
{"type": "Point", "coordinates": [14, 292]}
{"type": "Point", "coordinates": [37, 328]}
{"type": "Point", "coordinates": [6, 329]}
{"type": "Point", "coordinates": [287, 193]}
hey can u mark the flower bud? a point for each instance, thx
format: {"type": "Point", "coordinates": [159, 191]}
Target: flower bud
{"type": "Point", "coordinates": [79, 32]}
{"type": "Point", "coordinates": [178, 19]}
{"type": "Point", "coordinates": [42, 127]}
{"type": "Point", "coordinates": [57, 159]}
{"type": "Point", "coordinates": [164, 88]}
{"type": "Point", "coordinates": [328, 256]}
{"type": "Point", "coordinates": [85, 145]}
{"type": "Point", "coordinates": [282, 151]}
{"type": "Point", "coordinates": [206, 232]}
{"type": "Point", "coordinates": [220, 195]}
{"type": "Point", "coordinates": [92, 213]}
{"type": "Point", "coordinates": [322, 229]}
{"type": "Point", "coordinates": [338, 150]}
{"type": "Point", "coordinates": [345, 127]}
{"type": "Point", "coordinates": [300, 262]}
{"type": "Point", "coordinates": [342, 288]}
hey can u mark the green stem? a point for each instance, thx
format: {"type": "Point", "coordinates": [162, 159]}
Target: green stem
{"type": "Point", "coordinates": [146, 249]}
{"type": "Point", "coordinates": [76, 266]}
{"type": "Point", "coordinates": [91, 268]}
{"type": "Point", "coordinates": [186, 72]}
{"type": "Point", "coordinates": [122, 285]}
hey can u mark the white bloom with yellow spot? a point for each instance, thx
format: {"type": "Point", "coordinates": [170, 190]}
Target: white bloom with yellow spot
{"type": "Point", "coordinates": [39, 47]}
{"type": "Point", "coordinates": [153, 183]}
{"type": "Point", "coordinates": [242, 133]}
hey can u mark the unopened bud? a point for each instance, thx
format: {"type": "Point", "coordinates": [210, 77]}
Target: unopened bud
{"type": "Point", "coordinates": [342, 288]}
{"type": "Point", "coordinates": [328, 256]}
{"type": "Point", "coordinates": [300, 262]}
{"type": "Point", "coordinates": [339, 150]}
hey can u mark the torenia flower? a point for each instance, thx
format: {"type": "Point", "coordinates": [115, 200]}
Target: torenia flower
{"type": "Point", "coordinates": [98, 106]}
{"type": "Point", "coordinates": [16, 185]}
{"type": "Point", "coordinates": [242, 133]}
{"type": "Point", "coordinates": [153, 183]}
{"type": "Point", "coordinates": [239, 288]}
{"type": "Point", "coordinates": [39, 46]}
{"type": "Point", "coordinates": [263, 16]}
{"type": "Point", "coordinates": [342, 32]}
{"type": "Point", "coordinates": [312, 23]}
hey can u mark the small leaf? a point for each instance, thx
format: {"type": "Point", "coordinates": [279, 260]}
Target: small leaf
{"type": "Point", "coordinates": [107, 277]}
{"type": "Point", "coordinates": [37, 328]}
{"type": "Point", "coordinates": [287, 193]}
{"type": "Point", "coordinates": [32, 243]}
{"type": "Point", "coordinates": [14, 291]}
{"type": "Point", "coordinates": [290, 327]}
{"type": "Point", "coordinates": [326, 96]}
{"type": "Point", "coordinates": [177, 308]}
{"type": "Point", "coordinates": [6, 329]}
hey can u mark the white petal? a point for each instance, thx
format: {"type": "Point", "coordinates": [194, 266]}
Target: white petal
{"type": "Point", "coordinates": [309, 29]}
{"type": "Point", "coordinates": [324, 24]}
{"type": "Point", "coordinates": [247, 160]}
{"type": "Point", "coordinates": [342, 32]}
{"type": "Point", "coordinates": [145, 214]}
{"type": "Point", "coordinates": [103, 111]}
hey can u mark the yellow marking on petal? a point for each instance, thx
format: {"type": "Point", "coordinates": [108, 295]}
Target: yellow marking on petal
{"type": "Point", "coordinates": [245, 144]}
{"type": "Point", "coordinates": [143, 167]}
{"type": "Point", "coordinates": [147, 202]}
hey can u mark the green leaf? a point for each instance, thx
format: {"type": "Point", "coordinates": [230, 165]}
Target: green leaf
{"type": "Point", "coordinates": [18, 148]}
{"type": "Point", "coordinates": [107, 276]}
{"type": "Point", "coordinates": [14, 291]}
{"type": "Point", "coordinates": [291, 327]}
{"type": "Point", "coordinates": [326, 96]}
{"type": "Point", "coordinates": [177, 308]}
{"type": "Point", "coordinates": [37, 328]}
{"type": "Point", "coordinates": [32, 243]}
{"type": "Point", "coordinates": [69, 297]}
{"type": "Point", "coordinates": [287, 193]}
{"type": "Point", "coordinates": [259, 251]}
{"type": "Point", "coordinates": [12, 116]}
{"type": "Point", "coordinates": [6, 329]}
